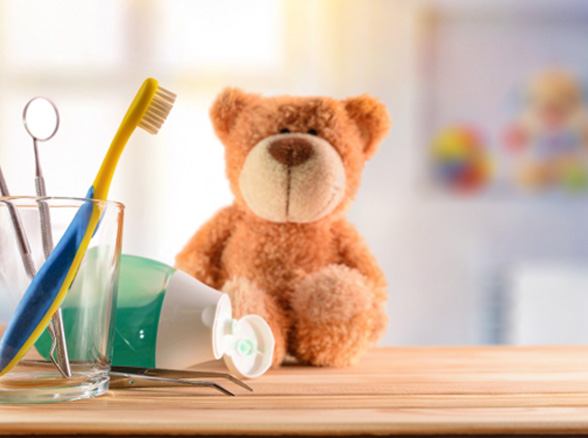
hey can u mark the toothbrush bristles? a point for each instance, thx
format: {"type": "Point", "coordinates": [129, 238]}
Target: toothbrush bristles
{"type": "Point", "coordinates": [158, 110]}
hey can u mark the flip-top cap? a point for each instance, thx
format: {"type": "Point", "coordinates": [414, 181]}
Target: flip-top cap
{"type": "Point", "coordinates": [246, 344]}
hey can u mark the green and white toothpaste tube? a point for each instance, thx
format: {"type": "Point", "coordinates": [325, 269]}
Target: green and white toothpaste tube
{"type": "Point", "coordinates": [165, 318]}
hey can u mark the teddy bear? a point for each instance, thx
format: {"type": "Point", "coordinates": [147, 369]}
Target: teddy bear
{"type": "Point", "coordinates": [283, 249]}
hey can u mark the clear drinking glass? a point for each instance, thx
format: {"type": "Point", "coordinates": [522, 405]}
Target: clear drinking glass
{"type": "Point", "coordinates": [87, 309]}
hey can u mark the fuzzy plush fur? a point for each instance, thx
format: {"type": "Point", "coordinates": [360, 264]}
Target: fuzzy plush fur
{"type": "Point", "coordinates": [314, 281]}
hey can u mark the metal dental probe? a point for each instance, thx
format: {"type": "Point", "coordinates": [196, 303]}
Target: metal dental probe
{"type": "Point", "coordinates": [24, 249]}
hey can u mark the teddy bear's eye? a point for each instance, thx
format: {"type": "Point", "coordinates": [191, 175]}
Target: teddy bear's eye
{"type": "Point", "coordinates": [284, 131]}
{"type": "Point", "coordinates": [313, 131]}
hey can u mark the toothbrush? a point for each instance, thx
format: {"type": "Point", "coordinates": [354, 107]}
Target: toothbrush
{"type": "Point", "coordinates": [48, 288]}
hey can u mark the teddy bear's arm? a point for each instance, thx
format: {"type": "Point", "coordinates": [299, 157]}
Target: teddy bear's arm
{"type": "Point", "coordinates": [202, 255]}
{"type": "Point", "coordinates": [355, 254]}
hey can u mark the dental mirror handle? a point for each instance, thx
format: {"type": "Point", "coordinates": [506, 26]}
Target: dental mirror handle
{"type": "Point", "coordinates": [56, 326]}
{"type": "Point", "coordinates": [46, 233]}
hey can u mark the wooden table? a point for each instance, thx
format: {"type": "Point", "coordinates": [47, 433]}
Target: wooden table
{"type": "Point", "coordinates": [489, 390]}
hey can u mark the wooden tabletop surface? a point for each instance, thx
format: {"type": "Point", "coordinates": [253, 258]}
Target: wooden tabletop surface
{"type": "Point", "coordinates": [485, 390]}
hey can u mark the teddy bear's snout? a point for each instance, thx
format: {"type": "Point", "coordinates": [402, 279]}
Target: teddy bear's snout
{"type": "Point", "coordinates": [291, 151]}
{"type": "Point", "coordinates": [292, 178]}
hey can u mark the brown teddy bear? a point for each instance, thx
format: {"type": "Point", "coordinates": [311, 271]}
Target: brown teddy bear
{"type": "Point", "coordinates": [284, 250]}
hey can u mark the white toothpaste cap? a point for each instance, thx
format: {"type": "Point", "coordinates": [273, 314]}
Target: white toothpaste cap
{"type": "Point", "coordinates": [246, 344]}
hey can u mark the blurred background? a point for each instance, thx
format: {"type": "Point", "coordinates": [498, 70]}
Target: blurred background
{"type": "Point", "coordinates": [476, 204]}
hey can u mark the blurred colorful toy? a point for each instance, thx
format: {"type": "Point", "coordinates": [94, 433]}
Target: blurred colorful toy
{"type": "Point", "coordinates": [550, 137]}
{"type": "Point", "coordinates": [460, 159]}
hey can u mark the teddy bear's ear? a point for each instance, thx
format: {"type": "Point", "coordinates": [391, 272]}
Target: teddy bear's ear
{"type": "Point", "coordinates": [371, 117]}
{"type": "Point", "coordinates": [225, 109]}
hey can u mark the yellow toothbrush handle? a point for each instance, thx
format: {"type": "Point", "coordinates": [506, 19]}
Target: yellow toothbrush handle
{"type": "Point", "coordinates": [130, 122]}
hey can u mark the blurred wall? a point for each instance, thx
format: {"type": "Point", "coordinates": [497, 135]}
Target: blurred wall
{"type": "Point", "coordinates": [448, 260]}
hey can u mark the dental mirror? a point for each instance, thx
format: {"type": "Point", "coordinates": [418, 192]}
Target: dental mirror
{"type": "Point", "coordinates": [40, 118]}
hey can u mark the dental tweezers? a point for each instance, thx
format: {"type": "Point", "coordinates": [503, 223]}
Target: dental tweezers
{"type": "Point", "coordinates": [133, 377]}
{"type": "Point", "coordinates": [174, 377]}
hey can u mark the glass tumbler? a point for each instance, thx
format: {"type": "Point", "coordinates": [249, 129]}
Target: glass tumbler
{"type": "Point", "coordinates": [87, 309]}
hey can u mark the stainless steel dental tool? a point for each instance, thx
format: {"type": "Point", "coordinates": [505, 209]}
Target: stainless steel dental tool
{"type": "Point", "coordinates": [131, 377]}
{"type": "Point", "coordinates": [180, 377]}
{"type": "Point", "coordinates": [24, 249]}
{"type": "Point", "coordinates": [23, 243]}
{"type": "Point", "coordinates": [59, 346]}
{"type": "Point", "coordinates": [140, 378]}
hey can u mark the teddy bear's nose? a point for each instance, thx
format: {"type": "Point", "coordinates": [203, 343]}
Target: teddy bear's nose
{"type": "Point", "coordinates": [291, 151]}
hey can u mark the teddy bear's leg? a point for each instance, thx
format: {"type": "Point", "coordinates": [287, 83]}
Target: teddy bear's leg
{"type": "Point", "coordinates": [247, 298]}
{"type": "Point", "coordinates": [336, 317]}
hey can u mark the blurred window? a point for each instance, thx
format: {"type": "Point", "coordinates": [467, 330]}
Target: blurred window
{"type": "Point", "coordinates": [52, 35]}
{"type": "Point", "coordinates": [90, 56]}
{"type": "Point", "coordinates": [215, 35]}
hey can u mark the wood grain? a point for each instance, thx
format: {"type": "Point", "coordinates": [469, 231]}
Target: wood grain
{"type": "Point", "coordinates": [483, 390]}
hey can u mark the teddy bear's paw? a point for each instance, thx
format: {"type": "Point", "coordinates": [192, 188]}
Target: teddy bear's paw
{"type": "Point", "coordinates": [335, 317]}
{"type": "Point", "coordinates": [331, 345]}
{"type": "Point", "coordinates": [334, 294]}
{"type": "Point", "coordinates": [379, 321]}
{"type": "Point", "coordinates": [247, 299]}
